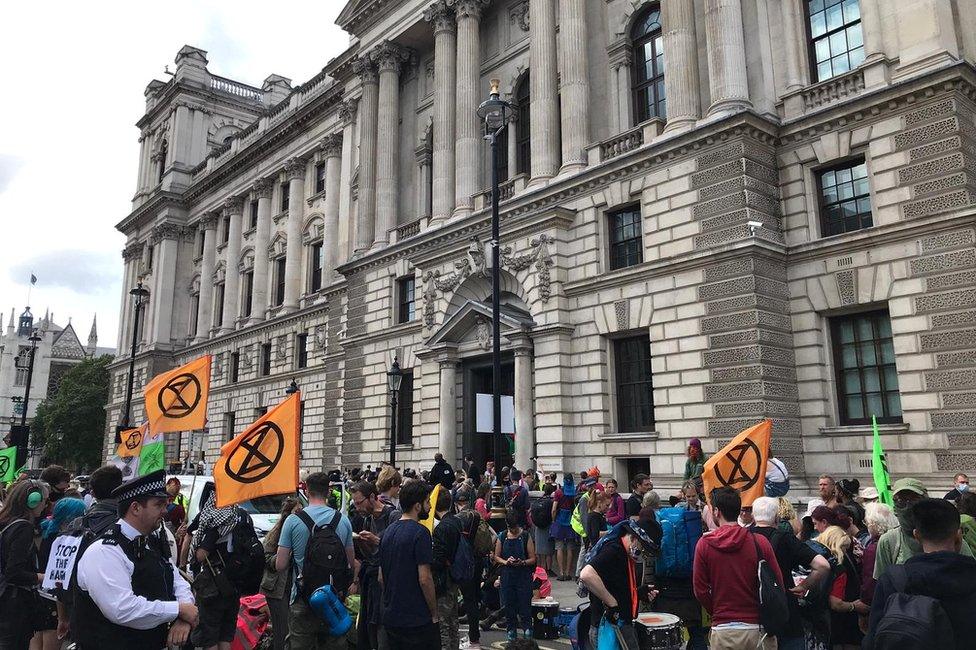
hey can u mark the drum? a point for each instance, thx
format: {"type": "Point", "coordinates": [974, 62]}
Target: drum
{"type": "Point", "coordinates": [658, 631]}
{"type": "Point", "coordinates": [545, 614]}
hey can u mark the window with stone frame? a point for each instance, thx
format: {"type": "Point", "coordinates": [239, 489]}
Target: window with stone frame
{"type": "Point", "coordinates": [315, 263]}
{"type": "Point", "coordinates": [194, 312]}
{"type": "Point", "coordinates": [22, 364]}
{"type": "Point", "coordinates": [279, 279]}
{"type": "Point", "coordinates": [404, 432]}
{"type": "Point", "coordinates": [835, 38]}
{"type": "Point", "coordinates": [650, 99]}
{"type": "Point", "coordinates": [864, 368]}
{"type": "Point", "coordinates": [320, 177]}
{"type": "Point", "coordinates": [235, 366]}
{"type": "Point", "coordinates": [163, 152]}
{"type": "Point", "coordinates": [149, 257]}
{"type": "Point", "coordinates": [406, 299]}
{"type": "Point", "coordinates": [523, 132]}
{"type": "Point", "coordinates": [225, 230]}
{"type": "Point", "coordinates": [218, 304]}
{"type": "Point", "coordinates": [634, 383]}
{"type": "Point", "coordinates": [844, 196]}
{"type": "Point", "coordinates": [626, 239]}
{"type": "Point", "coordinates": [201, 241]}
{"type": "Point", "coordinates": [230, 422]}
{"type": "Point", "coordinates": [265, 361]}
{"type": "Point", "coordinates": [301, 348]}
{"type": "Point", "coordinates": [252, 215]}
{"type": "Point", "coordinates": [247, 293]}
{"type": "Point", "coordinates": [284, 197]}
{"type": "Point", "coordinates": [55, 377]}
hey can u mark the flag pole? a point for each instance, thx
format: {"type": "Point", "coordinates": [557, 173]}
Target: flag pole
{"type": "Point", "coordinates": [193, 483]}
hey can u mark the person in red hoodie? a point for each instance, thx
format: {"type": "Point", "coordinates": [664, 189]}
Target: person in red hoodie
{"type": "Point", "coordinates": [726, 579]}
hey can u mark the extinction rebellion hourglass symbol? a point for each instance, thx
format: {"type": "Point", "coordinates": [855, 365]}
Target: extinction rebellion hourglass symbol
{"type": "Point", "coordinates": [182, 393]}
{"type": "Point", "coordinates": [257, 455]}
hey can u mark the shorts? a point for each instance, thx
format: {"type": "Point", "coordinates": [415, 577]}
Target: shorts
{"type": "Point", "coordinates": [567, 544]}
{"type": "Point", "coordinates": [218, 622]}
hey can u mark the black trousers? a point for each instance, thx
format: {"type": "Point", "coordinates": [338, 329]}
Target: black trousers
{"type": "Point", "coordinates": [471, 591]}
{"type": "Point", "coordinates": [424, 637]}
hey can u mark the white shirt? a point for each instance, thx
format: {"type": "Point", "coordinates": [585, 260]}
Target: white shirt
{"type": "Point", "coordinates": [106, 574]}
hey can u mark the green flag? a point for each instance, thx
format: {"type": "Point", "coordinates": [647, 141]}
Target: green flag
{"type": "Point", "coordinates": [8, 464]}
{"type": "Point", "coordinates": [153, 455]}
{"type": "Point", "coordinates": [880, 467]}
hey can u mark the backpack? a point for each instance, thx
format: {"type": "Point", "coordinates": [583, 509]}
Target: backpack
{"type": "Point", "coordinates": [477, 532]}
{"type": "Point", "coordinates": [3, 580]}
{"type": "Point", "coordinates": [462, 566]}
{"type": "Point", "coordinates": [325, 557]}
{"type": "Point", "coordinates": [912, 621]}
{"type": "Point", "coordinates": [774, 609]}
{"type": "Point", "coordinates": [542, 512]}
{"type": "Point", "coordinates": [681, 531]}
{"type": "Point", "coordinates": [245, 564]}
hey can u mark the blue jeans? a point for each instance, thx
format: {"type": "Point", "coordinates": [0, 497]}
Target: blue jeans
{"type": "Point", "coordinates": [516, 596]}
{"type": "Point", "coordinates": [791, 642]}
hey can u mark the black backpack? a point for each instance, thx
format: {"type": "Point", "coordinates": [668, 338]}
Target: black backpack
{"type": "Point", "coordinates": [245, 564]}
{"type": "Point", "coordinates": [542, 512]}
{"type": "Point", "coordinates": [774, 610]}
{"type": "Point", "coordinates": [912, 621]}
{"type": "Point", "coordinates": [325, 557]}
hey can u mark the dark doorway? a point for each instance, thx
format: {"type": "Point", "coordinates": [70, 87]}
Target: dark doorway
{"type": "Point", "coordinates": [477, 379]}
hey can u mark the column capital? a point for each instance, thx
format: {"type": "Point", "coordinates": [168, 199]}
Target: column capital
{"type": "Point", "coordinates": [331, 145]}
{"type": "Point", "coordinates": [366, 69]}
{"type": "Point", "coordinates": [441, 17]}
{"type": "Point", "coordinates": [165, 230]}
{"type": "Point", "coordinates": [295, 169]}
{"type": "Point", "coordinates": [468, 8]}
{"type": "Point", "coordinates": [132, 251]}
{"type": "Point", "coordinates": [233, 205]}
{"type": "Point", "coordinates": [348, 110]}
{"type": "Point", "coordinates": [209, 220]}
{"type": "Point", "coordinates": [389, 57]}
{"type": "Point", "coordinates": [262, 188]}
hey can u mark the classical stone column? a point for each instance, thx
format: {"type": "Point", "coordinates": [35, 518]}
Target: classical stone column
{"type": "Point", "coordinates": [389, 58]}
{"type": "Point", "coordinates": [871, 29]}
{"type": "Point", "coordinates": [524, 420]}
{"type": "Point", "coordinates": [512, 146]}
{"type": "Point", "coordinates": [544, 127]}
{"type": "Point", "coordinates": [165, 240]}
{"type": "Point", "coordinates": [447, 412]}
{"type": "Point", "coordinates": [469, 131]}
{"type": "Point", "coordinates": [794, 38]}
{"type": "Point", "coordinates": [366, 217]}
{"type": "Point", "coordinates": [332, 149]}
{"type": "Point", "coordinates": [726, 56]}
{"type": "Point", "coordinates": [681, 71]}
{"type": "Point", "coordinates": [262, 237]}
{"type": "Point", "coordinates": [130, 255]}
{"type": "Point", "coordinates": [208, 225]}
{"type": "Point", "coordinates": [347, 115]}
{"type": "Point", "coordinates": [295, 172]}
{"type": "Point", "coordinates": [575, 96]}
{"type": "Point", "coordinates": [445, 75]}
{"type": "Point", "coordinates": [233, 208]}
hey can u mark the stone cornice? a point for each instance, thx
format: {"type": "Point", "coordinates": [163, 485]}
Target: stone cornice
{"type": "Point", "coordinates": [147, 211]}
{"type": "Point", "coordinates": [166, 102]}
{"type": "Point", "coordinates": [258, 328]}
{"type": "Point", "coordinates": [359, 15]}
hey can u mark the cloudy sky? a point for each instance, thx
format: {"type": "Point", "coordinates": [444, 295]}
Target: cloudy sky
{"type": "Point", "coordinates": [73, 76]}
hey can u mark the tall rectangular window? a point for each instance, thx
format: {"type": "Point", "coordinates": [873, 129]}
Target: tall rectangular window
{"type": "Point", "coordinates": [406, 299]}
{"type": "Point", "coordinates": [635, 387]}
{"type": "Point", "coordinates": [320, 177]}
{"type": "Point", "coordinates": [284, 197]}
{"type": "Point", "coordinates": [864, 363]}
{"type": "Point", "coordinates": [316, 262]}
{"type": "Point", "coordinates": [836, 41]}
{"type": "Point", "coordinates": [219, 304]}
{"type": "Point", "coordinates": [247, 293]}
{"type": "Point", "coordinates": [253, 215]}
{"type": "Point", "coordinates": [626, 243]}
{"type": "Point", "coordinates": [265, 359]}
{"type": "Point", "coordinates": [845, 198]}
{"type": "Point", "coordinates": [279, 275]}
{"type": "Point", "coordinates": [202, 241]}
{"type": "Point", "coordinates": [405, 410]}
{"type": "Point", "coordinates": [235, 363]}
{"type": "Point", "coordinates": [149, 257]}
{"type": "Point", "coordinates": [225, 230]}
{"type": "Point", "coordinates": [194, 312]}
{"type": "Point", "coordinates": [230, 422]}
{"type": "Point", "coordinates": [301, 347]}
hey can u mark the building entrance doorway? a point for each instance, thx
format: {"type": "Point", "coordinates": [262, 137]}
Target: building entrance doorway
{"type": "Point", "coordinates": [477, 379]}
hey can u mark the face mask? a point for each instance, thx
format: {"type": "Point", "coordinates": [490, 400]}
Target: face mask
{"type": "Point", "coordinates": [904, 516]}
{"type": "Point", "coordinates": [963, 487]}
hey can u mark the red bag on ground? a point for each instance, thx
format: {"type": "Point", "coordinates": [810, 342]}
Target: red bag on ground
{"type": "Point", "coordinates": [252, 622]}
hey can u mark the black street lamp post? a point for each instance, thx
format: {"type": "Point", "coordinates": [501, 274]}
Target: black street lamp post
{"type": "Point", "coordinates": [25, 406]}
{"type": "Point", "coordinates": [496, 113]}
{"type": "Point", "coordinates": [140, 295]}
{"type": "Point", "coordinates": [394, 378]}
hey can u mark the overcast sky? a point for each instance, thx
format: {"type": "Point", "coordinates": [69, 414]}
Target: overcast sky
{"type": "Point", "coordinates": [73, 77]}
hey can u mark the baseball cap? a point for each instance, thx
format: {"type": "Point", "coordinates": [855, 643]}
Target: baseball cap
{"type": "Point", "coordinates": [911, 485]}
{"type": "Point", "coordinates": [869, 493]}
{"type": "Point", "coordinates": [812, 505]}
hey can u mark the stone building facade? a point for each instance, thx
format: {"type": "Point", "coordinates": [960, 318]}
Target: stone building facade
{"type": "Point", "coordinates": [713, 211]}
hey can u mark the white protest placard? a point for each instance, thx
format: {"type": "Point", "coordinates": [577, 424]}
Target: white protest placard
{"type": "Point", "coordinates": [61, 562]}
{"type": "Point", "coordinates": [484, 420]}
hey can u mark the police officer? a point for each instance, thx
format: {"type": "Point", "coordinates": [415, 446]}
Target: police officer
{"type": "Point", "coordinates": [129, 592]}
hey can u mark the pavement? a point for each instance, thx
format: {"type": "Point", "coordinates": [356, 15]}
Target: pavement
{"type": "Point", "coordinates": [562, 592]}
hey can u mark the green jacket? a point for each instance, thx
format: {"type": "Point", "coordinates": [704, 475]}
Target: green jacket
{"type": "Point", "coordinates": [694, 468]}
{"type": "Point", "coordinates": [968, 530]}
{"type": "Point", "coordinates": [895, 547]}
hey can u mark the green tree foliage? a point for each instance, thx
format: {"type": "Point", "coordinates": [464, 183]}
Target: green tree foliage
{"type": "Point", "coordinates": [71, 425]}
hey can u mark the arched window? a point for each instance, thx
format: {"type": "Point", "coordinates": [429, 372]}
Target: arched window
{"type": "Point", "coordinates": [523, 135]}
{"type": "Point", "coordinates": [648, 75]}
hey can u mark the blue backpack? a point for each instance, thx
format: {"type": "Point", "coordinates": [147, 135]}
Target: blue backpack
{"type": "Point", "coordinates": [682, 529]}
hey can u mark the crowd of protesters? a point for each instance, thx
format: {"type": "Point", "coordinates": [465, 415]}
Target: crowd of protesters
{"type": "Point", "coordinates": [421, 572]}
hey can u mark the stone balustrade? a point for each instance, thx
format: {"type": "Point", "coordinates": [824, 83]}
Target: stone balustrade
{"type": "Point", "coordinates": [236, 88]}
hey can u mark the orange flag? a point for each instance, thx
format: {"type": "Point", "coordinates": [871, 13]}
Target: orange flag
{"type": "Point", "coordinates": [263, 459]}
{"type": "Point", "coordinates": [131, 444]}
{"type": "Point", "coordinates": [741, 464]}
{"type": "Point", "coordinates": [177, 400]}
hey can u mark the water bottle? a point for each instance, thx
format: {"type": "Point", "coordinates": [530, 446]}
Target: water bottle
{"type": "Point", "coordinates": [327, 605]}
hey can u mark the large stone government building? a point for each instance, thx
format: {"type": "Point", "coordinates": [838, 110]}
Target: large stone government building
{"type": "Point", "coordinates": [713, 211]}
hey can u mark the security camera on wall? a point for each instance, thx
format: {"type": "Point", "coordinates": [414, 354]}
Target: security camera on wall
{"type": "Point", "coordinates": [754, 226]}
